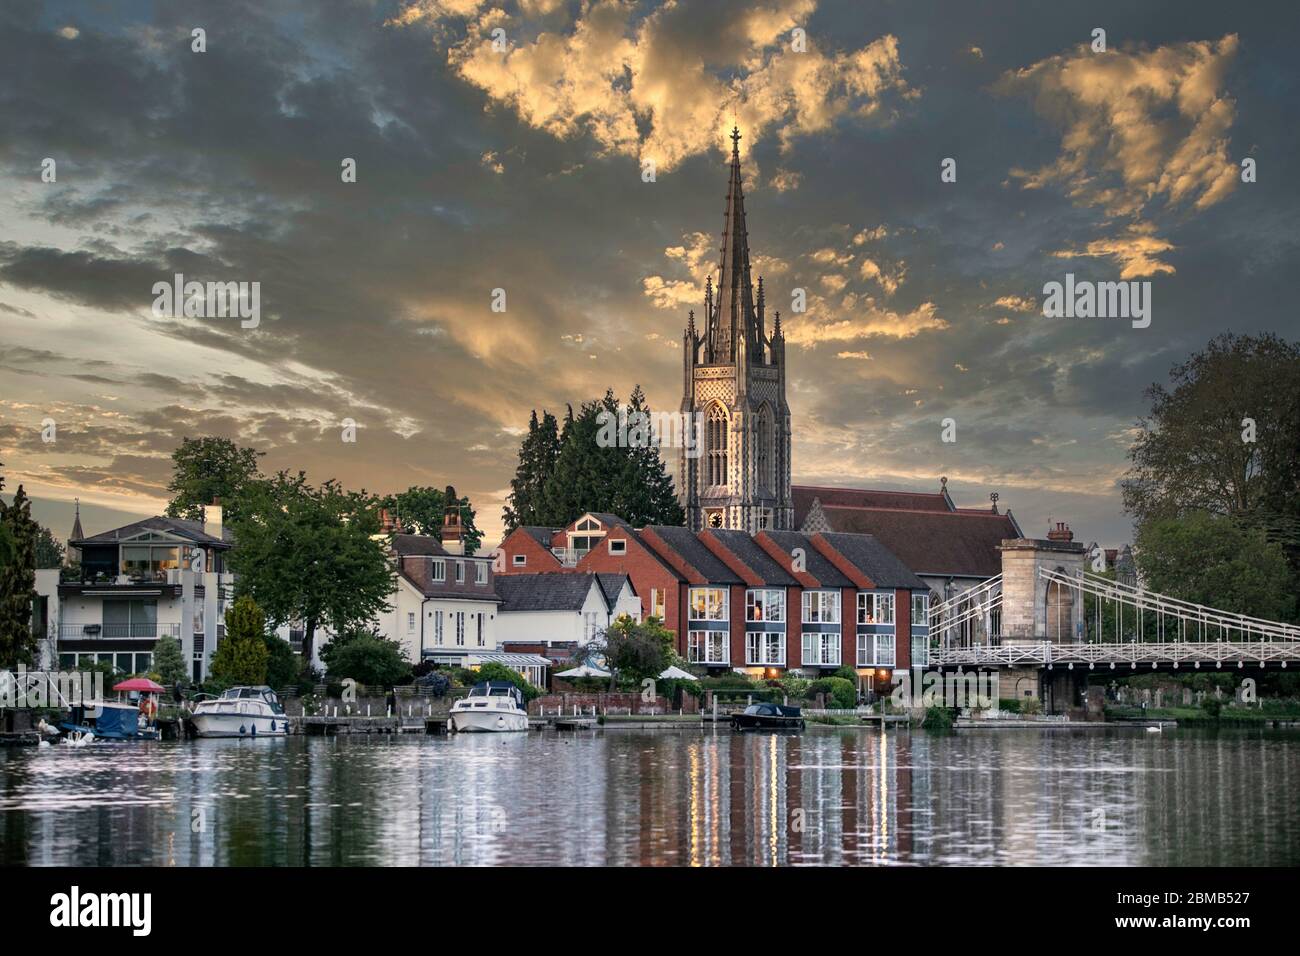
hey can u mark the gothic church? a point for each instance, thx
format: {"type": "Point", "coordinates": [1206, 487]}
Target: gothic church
{"type": "Point", "coordinates": [734, 385]}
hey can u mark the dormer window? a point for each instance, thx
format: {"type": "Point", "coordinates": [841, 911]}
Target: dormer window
{"type": "Point", "coordinates": [618, 546]}
{"type": "Point", "coordinates": [519, 560]}
{"type": "Point", "coordinates": [480, 572]}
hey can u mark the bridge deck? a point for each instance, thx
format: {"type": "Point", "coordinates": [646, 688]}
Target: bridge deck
{"type": "Point", "coordinates": [1044, 653]}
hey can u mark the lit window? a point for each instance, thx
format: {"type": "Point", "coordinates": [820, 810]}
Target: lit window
{"type": "Point", "coordinates": [765, 604]}
{"type": "Point", "coordinates": [875, 608]}
{"type": "Point", "coordinates": [708, 604]}
{"type": "Point", "coordinates": [657, 603]}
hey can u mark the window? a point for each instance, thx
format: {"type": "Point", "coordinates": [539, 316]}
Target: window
{"type": "Point", "coordinates": [765, 604]}
{"type": "Point", "coordinates": [520, 560]}
{"type": "Point", "coordinates": [884, 650]}
{"type": "Point", "coordinates": [132, 618]}
{"type": "Point", "coordinates": [460, 572]}
{"type": "Point", "coordinates": [480, 572]}
{"type": "Point", "coordinates": [480, 630]}
{"type": "Point", "coordinates": [707, 647]}
{"type": "Point", "coordinates": [716, 442]}
{"type": "Point", "coordinates": [875, 608]}
{"type": "Point", "coordinates": [821, 607]}
{"type": "Point", "coordinates": [143, 662]}
{"type": "Point", "coordinates": [618, 546]}
{"type": "Point", "coordinates": [592, 622]}
{"type": "Point", "coordinates": [708, 604]}
{"type": "Point", "coordinates": [437, 626]}
{"type": "Point", "coordinates": [920, 652]}
{"type": "Point", "coordinates": [657, 603]}
{"type": "Point", "coordinates": [821, 649]}
{"type": "Point", "coordinates": [765, 647]}
{"type": "Point", "coordinates": [410, 622]}
{"type": "Point", "coordinates": [588, 524]}
{"type": "Point", "coordinates": [763, 450]}
{"type": "Point", "coordinates": [875, 650]}
{"type": "Point", "coordinates": [438, 570]}
{"type": "Point", "coordinates": [460, 628]}
{"type": "Point", "coordinates": [920, 610]}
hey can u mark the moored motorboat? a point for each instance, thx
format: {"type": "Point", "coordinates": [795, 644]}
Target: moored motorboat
{"type": "Point", "coordinates": [491, 707]}
{"type": "Point", "coordinates": [241, 712]}
{"type": "Point", "coordinates": [768, 717]}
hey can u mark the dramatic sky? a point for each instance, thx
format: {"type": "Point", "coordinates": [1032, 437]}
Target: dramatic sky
{"type": "Point", "coordinates": [522, 170]}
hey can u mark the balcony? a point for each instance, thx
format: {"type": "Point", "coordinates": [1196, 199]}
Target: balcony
{"type": "Point", "coordinates": [117, 632]}
{"type": "Point", "coordinates": [569, 557]}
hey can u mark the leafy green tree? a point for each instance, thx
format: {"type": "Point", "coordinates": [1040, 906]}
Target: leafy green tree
{"type": "Point", "coordinates": [1224, 438]}
{"type": "Point", "coordinates": [241, 656]}
{"type": "Point", "coordinates": [283, 668]}
{"type": "Point", "coordinates": [307, 554]}
{"type": "Point", "coordinates": [631, 650]}
{"type": "Point", "coordinates": [18, 581]}
{"type": "Point", "coordinates": [421, 509]}
{"type": "Point", "coordinates": [49, 552]}
{"type": "Point", "coordinates": [367, 658]}
{"type": "Point", "coordinates": [204, 469]}
{"type": "Point", "coordinates": [1218, 561]}
{"type": "Point", "coordinates": [169, 661]}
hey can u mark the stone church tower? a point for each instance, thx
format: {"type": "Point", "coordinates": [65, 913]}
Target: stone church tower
{"type": "Point", "coordinates": [734, 390]}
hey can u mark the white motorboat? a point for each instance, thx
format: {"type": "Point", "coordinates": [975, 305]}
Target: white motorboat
{"type": "Point", "coordinates": [241, 712]}
{"type": "Point", "coordinates": [491, 707]}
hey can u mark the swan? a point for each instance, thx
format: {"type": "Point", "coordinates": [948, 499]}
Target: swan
{"type": "Point", "coordinates": [1155, 730]}
{"type": "Point", "coordinates": [46, 729]}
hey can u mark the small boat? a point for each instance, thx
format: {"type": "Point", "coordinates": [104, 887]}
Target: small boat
{"type": "Point", "coordinates": [241, 712]}
{"type": "Point", "coordinates": [115, 721]}
{"type": "Point", "coordinates": [492, 707]}
{"type": "Point", "coordinates": [768, 717]}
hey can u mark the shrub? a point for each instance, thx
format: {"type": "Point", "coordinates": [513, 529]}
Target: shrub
{"type": "Point", "coordinates": [494, 671]}
{"type": "Point", "coordinates": [169, 662]}
{"type": "Point", "coordinates": [368, 659]}
{"type": "Point", "coordinates": [282, 665]}
{"type": "Point", "coordinates": [1010, 704]}
{"type": "Point", "coordinates": [437, 682]}
{"type": "Point", "coordinates": [848, 674]}
{"type": "Point", "coordinates": [840, 693]}
{"type": "Point", "coordinates": [1031, 706]}
{"type": "Point", "coordinates": [938, 719]}
{"type": "Point", "coordinates": [241, 657]}
{"type": "Point", "coordinates": [1212, 707]}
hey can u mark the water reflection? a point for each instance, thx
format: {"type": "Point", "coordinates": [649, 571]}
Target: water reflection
{"type": "Point", "coordinates": [831, 796]}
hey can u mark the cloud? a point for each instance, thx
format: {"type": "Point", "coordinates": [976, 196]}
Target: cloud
{"type": "Point", "coordinates": [1136, 252]}
{"type": "Point", "coordinates": [1137, 126]}
{"type": "Point", "coordinates": [1016, 303]}
{"type": "Point", "coordinates": [810, 329]}
{"type": "Point", "coordinates": [665, 87]}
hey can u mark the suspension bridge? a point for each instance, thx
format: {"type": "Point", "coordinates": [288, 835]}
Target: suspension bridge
{"type": "Point", "coordinates": [1070, 617]}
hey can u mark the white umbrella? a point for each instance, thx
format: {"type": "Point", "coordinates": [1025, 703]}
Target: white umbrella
{"type": "Point", "coordinates": [676, 673]}
{"type": "Point", "coordinates": [586, 670]}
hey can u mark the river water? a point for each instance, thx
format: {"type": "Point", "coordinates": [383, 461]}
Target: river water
{"type": "Point", "coordinates": [831, 796]}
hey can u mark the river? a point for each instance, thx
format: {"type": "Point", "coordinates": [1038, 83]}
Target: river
{"type": "Point", "coordinates": [831, 796]}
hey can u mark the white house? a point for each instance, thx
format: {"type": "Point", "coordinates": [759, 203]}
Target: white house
{"type": "Point", "coordinates": [562, 607]}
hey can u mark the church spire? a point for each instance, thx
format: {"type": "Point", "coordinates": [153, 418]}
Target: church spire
{"type": "Point", "coordinates": [734, 322]}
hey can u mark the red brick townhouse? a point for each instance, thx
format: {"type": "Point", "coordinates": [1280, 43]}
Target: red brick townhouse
{"type": "Point", "coordinates": [762, 603]}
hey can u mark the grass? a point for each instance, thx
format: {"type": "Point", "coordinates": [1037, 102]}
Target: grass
{"type": "Point", "coordinates": [1193, 716]}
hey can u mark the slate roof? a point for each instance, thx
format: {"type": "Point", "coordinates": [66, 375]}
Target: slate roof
{"type": "Point", "coordinates": [802, 497]}
{"type": "Point", "coordinates": [820, 568]}
{"type": "Point", "coordinates": [539, 534]}
{"type": "Point", "coordinates": [182, 527]}
{"type": "Point", "coordinates": [959, 543]}
{"type": "Point", "coordinates": [743, 546]}
{"type": "Point", "coordinates": [612, 585]}
{"type": "Point", "coordinates": [875, 560]}
{"type": "Point", "coordinates": [420, 576]}
{"type": "Point", "coordinates": [551, 591]}
{"type": "Point", "coordinates": [405, 544]}
{"type": "Point", "coordinates": [695, 553]}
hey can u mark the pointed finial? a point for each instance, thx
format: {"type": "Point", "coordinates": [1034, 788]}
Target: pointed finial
{"type": "Point", "coordinates": [735, 141]}
{"type": "Point", "coordinates": [776, 329]}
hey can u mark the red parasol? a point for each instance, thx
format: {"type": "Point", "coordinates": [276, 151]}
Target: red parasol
{"type": "Point", "coordinates": [143, 684]}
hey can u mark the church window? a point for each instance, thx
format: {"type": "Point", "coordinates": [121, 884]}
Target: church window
{"type": "Point", "coordinates": [717, 446]}
{"type": "Point", "coordinates": [763, 450]}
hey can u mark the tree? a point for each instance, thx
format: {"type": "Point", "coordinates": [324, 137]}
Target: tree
{"type": "Point", "coordinates": [241, 656]}
{"type": "Point", "coordinates": [169, 661]}
{"type": "Point", "coordinates": [367, 658]}
{"type": "Point", "coordinates": [1218, 561]}
{"type": "Point", "coordinates": [421, 509]}
{"type": "Point", "coordinates": [537, 455]}
{"type": "Point", "coordinates": [205, 469]}
{"type": "Point", "coordinates": [18, 581]}
{"type": "Point", "coordinates": [282, 665]}
{"type": "Point", "coordinates": [606, 459]}
{"type": "Point", "coordinates": [499, 672]}
{"type": "Point", "coordinates": [1224, 438]}
{"type": "Point", "coordinates": [632, 650]}
{"type": "Point", "coordinates": [307, 555]}
{"type": "Point", "coordinates": [49, 552]}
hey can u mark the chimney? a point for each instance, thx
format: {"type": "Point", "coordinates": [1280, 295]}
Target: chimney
{"type": "Point", "coordinates": [1061, 532]}
{"type": "Point", "coordinates": [453, 541]}
{"type": "Point", "coordinates": [212, 515]}
{"type": "Point", "coordinates": [385, 522]}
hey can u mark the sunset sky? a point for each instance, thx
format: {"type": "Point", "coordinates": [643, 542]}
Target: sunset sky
{"type": "Point", "coordinates": [522, 170]}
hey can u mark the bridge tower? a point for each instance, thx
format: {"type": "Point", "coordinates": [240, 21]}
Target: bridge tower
{"type": "Point", "coordinates": [1035, 610]}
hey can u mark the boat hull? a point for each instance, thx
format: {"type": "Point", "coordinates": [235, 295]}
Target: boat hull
{"type": "Point", "coordinates": [750, 722]}
{"type": "Point", "coordinates": [487, 722]}
{"type": "Point", "coordinates": [240, 725]}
